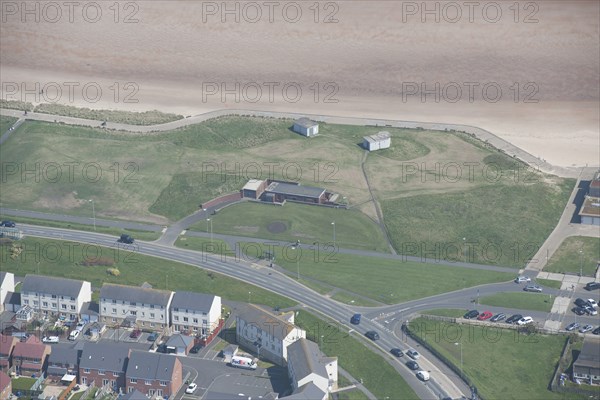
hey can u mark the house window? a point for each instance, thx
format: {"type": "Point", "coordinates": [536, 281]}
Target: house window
{"type": "Point", "coordinates": [25, 301]}
{"type": "Point", "coordinates": [159, 392]}
{"type": "Point", "coordinates": [204, 321]}
{"type": "Point", "coordinates": [152, 315]}
{"type": "Point", "coordinates": [185, 319]}
{"type": "Point", "coordinates": [86, 371]}
{"type": "Point", "coordinates": [84, 381]}
{"type": "Point", "coordinates": [73, 307]}
{"type": "Point", "coordinates": [163, 383]}
{"type": "Point", "coordinates": [133, 380]}
{"type": "Point", "coordinates": [130, 390]}
{"type": "Point", "coordinates": [132, 303]}
{"type": "Point", "coordinates": [53, 296]}
{"type": "Point", "coordinates": [147, 382]}
{"type": "Point", "coordinates": [176, 318]}
{"type": "Point", "coordinates": [195, 320]}
{"type": "Point", "coordinates": [114, 302]}
{"type": "Point", "coordinates": [116, 374]}
{"type": "Point", "coordinates": [104, 382]}
{"type": "Point", "coordinates": [45, 303]}
{"type": "Point", "coordinates": [133, 312]}
{"type": "Point", "coordinates": [114, 320]}
{"type": "Point", "coordinates": [151, 392]}
{"type": "Point", "coordinates": [35, 303]}
{"type": "Point", "coordinates": [100, 372]}
{"type": "Point", "coordinates": [195, 329]}
{"type": "Point", "coordinates": [72, 298]}
{"type": "Point", "coordinates": [53, 305]}
{"type": "Point", "coordinates": [63, 306]}
{"type": "Point", "coordinates": [152, 306]}
{"type": "Point", "coordinates": [143, 314]}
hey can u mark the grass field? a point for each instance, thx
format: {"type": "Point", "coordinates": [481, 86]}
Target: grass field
{"type": "Point", "coordinates": [433, 187]}
{"type": "Point", "coordinates": [377, 375]}
{"type": "Point", "coordinates": [502, 363]}
{"type": "Point", "coordinates": [5, 123]}
{"type": "Point", "coordinates": [141, 235]}
{"type": "Point", "coordinates": [302, 222]}
{"type": "Point", "coordinates": [567, 257]}
{"type": "Point", "coordinates": [125, 117]}
{"type": "Point", "coordinates": [489, 218]}
{"type": "Point", "coordinates": [389, 281]}
{"type": "Point", "coordinates": [64, 259]}
{"type": "Point", "coordinates": [549, 283]}
{"type": "Point", "coordinates": [523, 301]}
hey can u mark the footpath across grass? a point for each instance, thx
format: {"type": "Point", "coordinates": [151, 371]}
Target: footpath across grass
{"type": "Point", "coordinates": [67, 259]}
{"type": "Point", "coordinates": [377, 375]}
{"type": "Point", "coordinates": [568, 258]}
{"type": "Point", "coordinates": [502, 363]}
{"type": "Point", "coordinates": [384, 280]}
{"type": "Point", "coordinates": [523, 301]}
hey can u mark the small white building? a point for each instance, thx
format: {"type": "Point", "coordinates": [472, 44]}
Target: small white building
{"type": "Point", "coordinates": [267, 334]}
{"type": "Point", "coordinates": [55, 296]}
{"type": "Point", "coordinates": [306, 127]}
{"type": "Point", "coordinates": [381, 140]}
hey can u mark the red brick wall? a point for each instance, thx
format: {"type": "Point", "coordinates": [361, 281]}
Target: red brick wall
{"type": "Point", "coordinates": [97, 378]}
{"type": "Point", "coordinates": [223, 199]}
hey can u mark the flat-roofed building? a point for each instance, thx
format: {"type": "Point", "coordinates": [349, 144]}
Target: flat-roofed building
{"type": "Point", "coordinates": [381, 140]}
{"type": "Point", "coordinates": [306, 127]}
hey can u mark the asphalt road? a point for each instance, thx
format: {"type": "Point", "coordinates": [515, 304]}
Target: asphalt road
{"type": "Point", "coordinates": [271, 280]}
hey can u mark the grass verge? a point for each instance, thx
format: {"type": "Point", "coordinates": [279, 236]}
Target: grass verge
{"type": "Point", "coordinates": [568, 258]}
{"type": "Point", "coordinates": [65, 259]}
{"type": "Point", "coordinates": [523, 301]}
{"type": "Point", "coordinates": [5, 123]}
{"type": "Point", "coordinates": [549, 283]}
{"type": "Point", "coordinates": [445, 312]}
{"type": "Point", "coordinates": [126, 117]}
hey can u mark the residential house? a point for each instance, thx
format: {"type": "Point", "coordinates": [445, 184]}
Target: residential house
{"type": "Point", "coordinates": [154, 374]}
{"type": "Point", "coordinates": [180, 344]}
{"type": "Point", "coordinates": [267, 334]}
{"type": "Point", "coordinates": [5, 386]}
{"type": "Point", "coordinates": [30, 357]}
{"type": "Point", "coordinates": [90, 312]}
{"type": "Point", "coordinates": [308, 391]}
{"type": "Point", "coordinates": [104, 364]}
{"type": "Point", "coordinates": [587, 366]}
{"type": "Point", "coordinates": [55, 296]}
{"type": "Point", "coordinates": [63, 361]}
{"type": "Point", "coordinates": [7, 284]}
{"type": "Point", "coordinates": [196, 313]}
{"type": "Point", "coordinates": [307, 364]}
{"type": "Point", "coordinates": [7, 345]}
{"type": "Point", "coordinates": [149, 308]}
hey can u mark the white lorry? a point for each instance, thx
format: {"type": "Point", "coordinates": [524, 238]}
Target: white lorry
{"type": "Point", "coordinates": [243, 362]}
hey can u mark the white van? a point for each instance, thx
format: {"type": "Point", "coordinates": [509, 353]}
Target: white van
{"type": "Point", "coordinates": [74, 334]}
{"type": "Point", "coordinates": [423, 375]}
{"type": "Point", "coordinates": [243, 362]}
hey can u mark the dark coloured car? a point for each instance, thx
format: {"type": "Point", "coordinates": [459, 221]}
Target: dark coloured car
{"type": "Point", "coordinates": [397, 352]}
{"type": "Point", "coordinates": [125, 239]}
{"type": "Point", "coordinates": [592, 286]}
{"type": "Point", "coordinates": [413, 365]}
{"type": "Point", "coordinates": [8, 224]}
{"type": "Point", "coordinates": [196, 349]}
{"type": "Point", "coordinates": [580, 302]}
{"type": "Point", "coordinates": [513, 319]}
{"type": "Point", "coordinates": [162, 348]}
{"type": "Point", "coordinates": [136, 333]}
{"type": "Point", "coordinates": [153, 336]}
{"type": "Point", "coordinates": [471, 314]}
{"type": "Point", "coordinates": [498, 317]}
{"type": "Point", "coordinates": [372, 335]}
{"type": "Point", "coordinates": [596, 331]}
{"type": "Point", "coordinates": [355, 320]}
{"type": "Point", "coordinates": [484, 316]}
{"type": "Point", "coordinates": [579, 310]}
{"type": "Point", "coordinates": [572, 326]}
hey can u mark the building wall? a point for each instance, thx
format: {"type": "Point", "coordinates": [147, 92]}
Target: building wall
{"type": "Point", "coordinates": [8, 285]}
{"type": "Point", "coordinates": [93, 375]}
{"type": "Point", "coordinates": [204, 322]}
{"type": "Point", "coordinates": [148, 315]}
{"type": "Point", "coordinates": [49, 305]}
{"type": "Point", "coordinates": [85, 295]}
{"type": "Point", "coordinates": [320, 381]}
{"type": "Point", "coordinates": [169, 389]}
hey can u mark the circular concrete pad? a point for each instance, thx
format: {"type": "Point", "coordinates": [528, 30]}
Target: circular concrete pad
{"type": "Point", "coordinates": [276, 227]}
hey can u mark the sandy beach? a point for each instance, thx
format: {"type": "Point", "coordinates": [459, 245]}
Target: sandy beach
{"type": "Point", "coordinates": [528, 75]}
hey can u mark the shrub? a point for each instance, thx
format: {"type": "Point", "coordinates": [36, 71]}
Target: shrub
{"type": "Point", "coordinates": [113, 271]}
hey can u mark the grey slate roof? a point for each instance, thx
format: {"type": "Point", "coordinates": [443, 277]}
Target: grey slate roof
{"type": "Point", "coordinates": [105, 356]}
{"type": "Point", "coordinates": [590, 354]}
{"type": "Point", "coordinates": [51, 285]}
{"type": "Point", "coordinates": [309, 391]}
{"type": "Point", "coordinates": [179, 341]}
{"type": "Point", "coordinates": [151, 366]}
{"type": "Point", "coordinates": [90, 308]}
{"type": "Point", "coordinates": [135, 294]}
{"type": "Point", "coordinates": [192, 301]}
{"type": "Point", "coordinates": [2, 276]}
{"type": "Point", "coordinates": [305, 122]}
{"type": "Point", "coordinates": [13, 298]}
{"type": "Point", "coordinates": [63, 356]}
{"type": "Point", "coordinates": [266, 321]}
{"type": "Point", "coordinates": [295, 190]}
{"type": "Point", "coordinates": [306, 358]}
{"type": "Point", "coordinates": [135, 395]}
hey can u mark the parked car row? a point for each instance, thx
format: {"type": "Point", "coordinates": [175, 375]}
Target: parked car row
{"type": "Point", "coordinates": [487, 315]}
{"type": "Point", "coordinates": [582, 329]}
{"type": "Point", "coordinates": [588, 306]}
{"type": "Point", "coordinates": [8, 224]}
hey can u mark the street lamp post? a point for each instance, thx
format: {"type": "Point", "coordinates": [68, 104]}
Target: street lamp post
{"type": "Point", "coordinates": [93, 212]}
{"type": "Point", "coordinates": [297, 247]}
{"type": "Point", "coordinates": [333, 223]}
{"type": "Point", "coordinates": [211, 230]}
{"type": "Point", "coordinates": [465, 248]}
{"type": "Point", "coordinates": [461, 358]}
{"type": "Point", "coordinates": [249, 293]}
